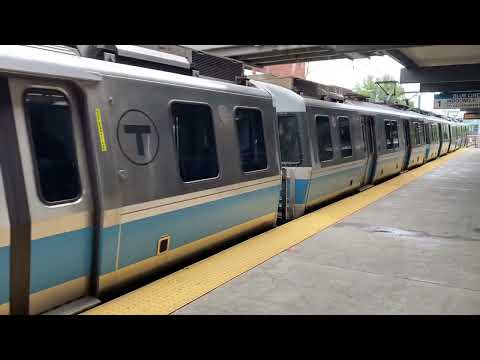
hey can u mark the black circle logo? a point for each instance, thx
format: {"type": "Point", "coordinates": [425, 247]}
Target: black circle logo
{"type": "Point", "coordinates": [138, 137]}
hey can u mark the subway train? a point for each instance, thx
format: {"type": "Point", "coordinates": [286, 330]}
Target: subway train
{"type": "Point", "coordinates": [112, 171]}
{"type": "Point", "coordinates": [328, 149]}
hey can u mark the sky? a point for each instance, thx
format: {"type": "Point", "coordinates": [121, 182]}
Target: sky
{"type": "Point", "coordinates": [347, 73]}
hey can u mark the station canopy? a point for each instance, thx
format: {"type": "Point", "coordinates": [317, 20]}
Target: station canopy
{"type": "Point", "coordinates": [437, 68]}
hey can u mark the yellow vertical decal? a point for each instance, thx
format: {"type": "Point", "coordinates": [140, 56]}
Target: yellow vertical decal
{"type": "Point", "coordinates": [101, 135]}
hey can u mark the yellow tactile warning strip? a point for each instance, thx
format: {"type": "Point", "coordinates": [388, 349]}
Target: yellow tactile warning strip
{"type": "Point", "coordinates": [172, 292]}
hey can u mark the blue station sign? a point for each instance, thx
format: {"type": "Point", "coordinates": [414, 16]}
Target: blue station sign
{"type": "Point", "coordinates": [457, 100]}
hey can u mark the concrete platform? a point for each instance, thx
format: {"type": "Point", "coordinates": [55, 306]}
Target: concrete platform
{"type": "Point", "coordinates": [415, 251]}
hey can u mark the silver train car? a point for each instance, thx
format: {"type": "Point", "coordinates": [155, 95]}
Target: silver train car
{"type": "Point", "coordinates": [110, 172]}
{"type": "Point", "coordinates": [328, 148]}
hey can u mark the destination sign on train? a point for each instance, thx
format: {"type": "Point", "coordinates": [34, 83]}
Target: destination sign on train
{"type": "Point", "coordinates": [457, 100]}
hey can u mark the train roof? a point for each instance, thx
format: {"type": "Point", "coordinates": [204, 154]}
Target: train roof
{"type": "Point", "coordinates": [34, 61]}
{"type": "Point", "coordinates": [378, 109]}
{"type": "Point", "coordinates": [284, 100]}
{"type": "Point", "coordinates": [362, 106]}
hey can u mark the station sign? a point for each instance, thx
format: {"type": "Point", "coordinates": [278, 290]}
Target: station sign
{"type": "Point", "coordinates": [457, 100]}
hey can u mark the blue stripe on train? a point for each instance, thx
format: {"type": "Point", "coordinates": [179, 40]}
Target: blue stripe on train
{"type": "Point", "coordinates": [108, 249]}
{"type": "Point", "coordinates": [60, 258]}
{"type": "Point", "coordinates": [4, 274]}
{"type": "Point", "coordinates": [301, 187]}
{"type": "Point", "coordinates": [140, 238]}
{"type": "Point", "coordinates": [327, 184]}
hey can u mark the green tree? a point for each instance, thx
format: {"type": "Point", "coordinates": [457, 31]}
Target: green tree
{"type": "Point", "coordinates": [369, 88]}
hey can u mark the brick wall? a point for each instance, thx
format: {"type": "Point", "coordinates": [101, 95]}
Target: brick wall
{"type": "Point", "coordinates": [296, 70]}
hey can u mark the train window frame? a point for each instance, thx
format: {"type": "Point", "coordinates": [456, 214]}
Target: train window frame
{"type": "Point", "coordinates": [394, 135]}
{"type": "Point", "coordinates": [332, 159]}
{"type": "Point", "coordinates": [446, 132]}
{"type": "Point", "coordinates": [364, 137]}
{"type": "Point", "coordinates": [32, 148]}
{"type": "Point", "coordinates": [297, 121]}
{"type": "Point", "coordinates": [417, 125]}
{"type": "Point", "coordinates": [421, 133]}
{"type": "Point", "coordinates": [339, 117]}
{"type": "Point", "coordinates": [388, 134]}
{"type": "Point", "coordinates": [396, 145]}
{"type": "Point", "coordinates": [426, 130]}
{"type": "Point", "coordinates": [239, 107]}
{"type": "Point", "coordinates": [413, 133]}
{"type": "Point", "coordinates": [176, 145]}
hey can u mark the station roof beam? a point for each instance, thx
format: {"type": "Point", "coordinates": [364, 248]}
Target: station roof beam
{"type": "Point", "coordinates": [264, 55]}
{"type": "Point", "coordinates": [440, 68]}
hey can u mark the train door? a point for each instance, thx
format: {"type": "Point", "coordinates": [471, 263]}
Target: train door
{"type": "Point", "coordinates": [408, 143]}
{"type": "Point", "coordinates": [451, 136]}
{"type": "Point", "coordinates": [427, 135]}
{"type": "Point", "coordinates": [291, 158]}
{"type": "Point", "coordinates": [368, 132]}
{"type": "Point", "coordinates": [440, 138]}
{"type": "Point", "coordinates": [4, 246]}
{"type": "Point", "coordinates": [53, 160]}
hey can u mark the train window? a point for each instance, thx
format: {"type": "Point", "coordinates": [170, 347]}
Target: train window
{"type": "Point", "coordinates": [324, 136]}
{"type": "Point", "coordinates": [418, 133]}
{"type": "Point", "coordinates": [445, 132]}
{"type": "Point", "coordinates": [49, 119]}
{"type": "Point", "coordinates": [427, 133]}
{"type": "Point", "coordinates": [195, 141]}
{"type": "Point", "coordinates": [345, 140]}
{"type": "Point", "coordinates": [414, 134]}
{"type": "Point", "coordinates": [394, 130]}
{"type": "Point", "coordinates": [250, 137]}
{"type": "Point", "coordinates": [364, 138]}
{"type": "Point", "coordinates": [290, 152]}
{"type": "Point", "coordinates": [391, 134]}
{"type": "Point", "coordinates": [388, 134]}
